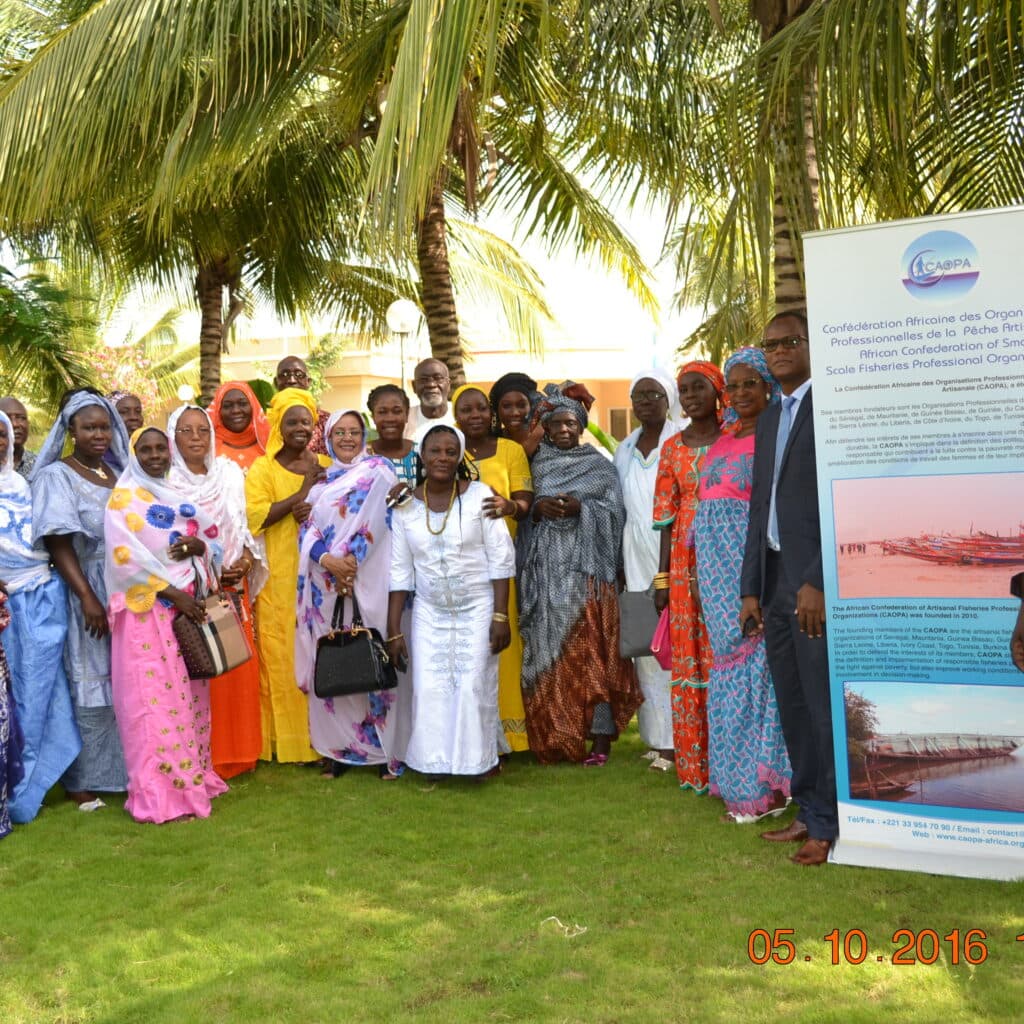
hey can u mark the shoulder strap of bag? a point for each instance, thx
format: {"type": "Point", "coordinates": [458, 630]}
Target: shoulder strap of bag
{"type": "Point", "coordinates": [357, 619]}
{"type": "Point", "coordinates": [338, 618]}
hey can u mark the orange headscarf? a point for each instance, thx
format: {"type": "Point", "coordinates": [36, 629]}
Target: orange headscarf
{"type": "Point", "coordinates": [245, 447]}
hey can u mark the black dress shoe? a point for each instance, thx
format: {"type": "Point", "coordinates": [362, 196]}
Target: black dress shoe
{"type": "Point", "coordinates": [794, 832]}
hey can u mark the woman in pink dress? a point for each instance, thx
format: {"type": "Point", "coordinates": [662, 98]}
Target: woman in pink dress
{"type": "Point", "coordinates": [158, 545]}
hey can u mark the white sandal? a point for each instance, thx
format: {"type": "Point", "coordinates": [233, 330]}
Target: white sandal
{"type": "Point", "coordinates": [660, 764]}
{"type": "Point", "coordinates": [650, 755]}
{"type": "Point", "coordinates": [91, 805]}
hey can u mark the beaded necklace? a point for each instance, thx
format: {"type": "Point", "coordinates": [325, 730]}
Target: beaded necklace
{"type": "Point", "coordinates": [426, 505]}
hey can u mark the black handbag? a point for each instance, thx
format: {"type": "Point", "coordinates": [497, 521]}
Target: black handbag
{"type": "Point", "coordinates": [352, 659]}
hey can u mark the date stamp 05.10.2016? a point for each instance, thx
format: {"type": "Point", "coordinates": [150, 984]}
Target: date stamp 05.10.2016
{"type": "Point", "coordinates": [920, 946]}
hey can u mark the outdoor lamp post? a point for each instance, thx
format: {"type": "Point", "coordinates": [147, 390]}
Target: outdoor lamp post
{"type": "Point", "coordinates": [403, 317]}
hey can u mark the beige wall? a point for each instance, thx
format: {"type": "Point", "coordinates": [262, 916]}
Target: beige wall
{"type": "Point", "coordinates": [606, 372]}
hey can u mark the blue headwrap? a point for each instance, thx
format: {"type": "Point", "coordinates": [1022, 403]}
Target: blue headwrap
{"type": "Point", "coordinates": [754, 358]}
{"type": "Point", "coordinates": [53, 447]}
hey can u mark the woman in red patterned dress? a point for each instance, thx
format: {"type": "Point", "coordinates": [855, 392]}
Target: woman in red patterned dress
{"type": "Point", "coordinates": [701, 387]}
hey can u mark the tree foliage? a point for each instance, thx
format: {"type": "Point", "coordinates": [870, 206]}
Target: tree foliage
{"type": "Point", "coordinates": [39, 322]}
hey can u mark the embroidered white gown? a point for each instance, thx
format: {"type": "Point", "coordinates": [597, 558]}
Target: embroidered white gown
{"type": "Point", "coordinates": [454, 675]}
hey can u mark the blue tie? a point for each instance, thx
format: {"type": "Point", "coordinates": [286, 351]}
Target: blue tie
{"type": "Point", "coordinates": [785, 423]}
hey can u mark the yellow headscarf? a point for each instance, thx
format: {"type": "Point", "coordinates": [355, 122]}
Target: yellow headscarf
{"type": "Point", "coordinates": [460, 391]}
{"type": "Point", "coordinates": [281, 403]}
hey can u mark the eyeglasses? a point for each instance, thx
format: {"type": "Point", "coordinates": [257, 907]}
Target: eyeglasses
{"type": "Point", "coordinates": [433, 378]}
{"type": "Point", "coordinates": [343, 432]}
{"type": "Point", "coordinates": [293, 375]}
{"type": "Point", "coordinates": [192, 431]}
{"type": "Point", "coordinates": [770, 345]}
{"type": "Point", "coordinates": [750, 384]}
{"type": "Point", "coordinates": [649, 396]}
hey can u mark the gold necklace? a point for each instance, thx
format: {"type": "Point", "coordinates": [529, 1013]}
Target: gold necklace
{"type": "Point", "coordinates": [451, 504]}
{"type": "Point", "coordinates": [101, 472]}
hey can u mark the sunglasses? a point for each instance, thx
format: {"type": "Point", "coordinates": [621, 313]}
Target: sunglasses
{"type": "Point", "coordinates": [774, 343]}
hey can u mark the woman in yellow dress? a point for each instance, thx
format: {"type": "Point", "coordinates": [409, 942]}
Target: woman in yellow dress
{"type": "Point", "coordinates": [276, 493]}
{"type": "Point", "coordinates": [503, 466]}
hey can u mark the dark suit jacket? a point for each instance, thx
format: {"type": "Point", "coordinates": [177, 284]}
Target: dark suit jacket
{"type": "Point", "coordinates": [796, 503]}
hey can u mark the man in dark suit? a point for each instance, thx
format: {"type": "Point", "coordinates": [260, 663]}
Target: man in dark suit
{"type": "Point", "coordinates": [783, 590]}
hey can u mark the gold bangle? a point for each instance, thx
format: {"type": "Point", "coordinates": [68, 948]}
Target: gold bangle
{"type": "Point", "coordinates": [397, 636]}
{"type": "Point", "coordinates": [660, 577]}
{"type": "Point", "coordinates": [662, 585]}
{"type": "Point", "coordinates": [499, 617]}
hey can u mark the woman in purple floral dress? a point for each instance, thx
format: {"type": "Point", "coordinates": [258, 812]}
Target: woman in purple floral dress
{"type": "Point", "coordinates": [345, 548]}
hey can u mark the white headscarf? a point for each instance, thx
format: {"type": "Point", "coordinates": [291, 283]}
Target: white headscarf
{"type": "Point", "coordinates": [332, 422]}
{"type": "Point", "coordinates": [668, 384]}
{"type": "Point", "coordinates": [421, 436]}
{"type": "Point", "coordinates": [674, 421]}
{"type": "Point", "coordinates": [21, 567]}
{"type": "Point", "coordinates": [220, 493]}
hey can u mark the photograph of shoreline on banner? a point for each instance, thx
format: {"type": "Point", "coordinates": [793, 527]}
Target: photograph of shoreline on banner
{"type": "Point", "coordinates": [929, 536]}
{"type": "Point", "coordinates": [944, 744]}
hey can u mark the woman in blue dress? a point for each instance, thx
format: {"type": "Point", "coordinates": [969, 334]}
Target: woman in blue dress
{"type": "Point", "coordinates": [34, 642]}
{"type": "Point", "coordinates": [747, 762]}
{"type": "Point", "coordinates": [69, 498]}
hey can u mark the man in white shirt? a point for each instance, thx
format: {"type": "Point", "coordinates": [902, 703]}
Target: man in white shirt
{"type": "Point", "coordinates": [432, 386]}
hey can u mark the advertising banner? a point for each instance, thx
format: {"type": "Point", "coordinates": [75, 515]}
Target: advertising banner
{"type": "Point", "coordinates": [917, 358]}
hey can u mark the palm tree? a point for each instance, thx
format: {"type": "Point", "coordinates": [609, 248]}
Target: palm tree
{"type": "Point", "coordinates": [210, 104]}
{"type": "Point", "coordinates": [39, 326]}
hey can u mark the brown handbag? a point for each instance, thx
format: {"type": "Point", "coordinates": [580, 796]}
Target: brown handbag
{"type": "Point", "coordinates": [218, 644]}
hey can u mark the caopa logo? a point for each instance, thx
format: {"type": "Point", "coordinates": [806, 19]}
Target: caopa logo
{"type": "Point", "coordinates": [940, 266]}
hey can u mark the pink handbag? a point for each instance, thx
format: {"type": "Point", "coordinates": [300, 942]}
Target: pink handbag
{"type": "Point", "coordinates": [661, 642]}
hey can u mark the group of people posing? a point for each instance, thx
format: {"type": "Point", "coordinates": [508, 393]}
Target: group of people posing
{"type": "Point", "coordinates": [476, 532]}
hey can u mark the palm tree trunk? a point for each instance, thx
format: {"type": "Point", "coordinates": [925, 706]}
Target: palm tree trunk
{"type": "Point", "coordinates": [436, 278]}
{"type": "Point", "coordinates": [210, 295]}
{"type": "Point", "coordinates": [797, 187]}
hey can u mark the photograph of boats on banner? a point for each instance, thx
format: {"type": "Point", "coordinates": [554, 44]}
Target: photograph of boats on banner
{"type": "Point", "coordinates": [937, 744]}
{"type": "Point", "coordinates": [929, 536]}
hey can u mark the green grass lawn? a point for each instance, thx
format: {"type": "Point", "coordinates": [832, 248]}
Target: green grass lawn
{"type": "Point", "coordinates": [307, 900]}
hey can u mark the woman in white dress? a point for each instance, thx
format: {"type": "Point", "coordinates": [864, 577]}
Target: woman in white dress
{"type": "Point", "coordinates": [655, 401]}
{"type": "Point", "coordinates": [458, 559]}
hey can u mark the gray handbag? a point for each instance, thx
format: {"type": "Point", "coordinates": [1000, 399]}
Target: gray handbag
{"type": "Point", "coordinates": [638, 619]}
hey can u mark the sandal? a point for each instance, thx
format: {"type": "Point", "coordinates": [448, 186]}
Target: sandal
{"type": "Point", "coordinates": [651, 755]}
{"type": "Point", "coordinates": [91, 805]}
{"type": "Point", "coordinates": [660, 764]}
{"type": "Point", "coordinates": [595, 761]}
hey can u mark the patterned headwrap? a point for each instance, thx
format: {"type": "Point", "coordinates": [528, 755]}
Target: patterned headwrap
{"type": "Point", "coordinates": [116, 396]}
{"type": "Point", "coordinates": [755, 359]}
{"type": "Point", "coordinates": [258, 430]}
{"type": "Point", "coordinates": [561, 399]}
{"type": "Point", "coordinates": [53, 447]}
{"type": "Point", "coordinates": [144, 516]}
{"type": "Point", "coordinates": [709, 372]}
{"type": "Point", "coordinates": [281, 403]}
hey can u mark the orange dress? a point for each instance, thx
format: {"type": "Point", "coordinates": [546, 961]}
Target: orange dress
{"type": "Point", "coordinates": [675, 504]}
{"type": "Point", "coordinates": [236, 737]}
